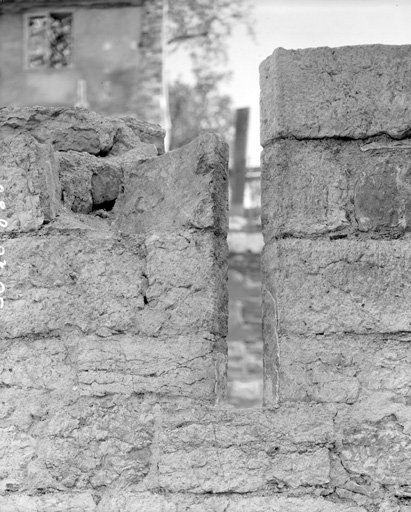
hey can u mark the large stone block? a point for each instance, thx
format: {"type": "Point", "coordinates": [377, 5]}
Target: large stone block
{"type": "Point", "coordinates": [186, 188]}
{"type": "Point", "coordinates": [146, 502]}
{"type": "Point", "coordinates": [344, 368]}
{"type": "Point", "coordinates": [99, 365]}
{"type": "Point", "coordinates": [86, 279]}
{"type": "Point", "coordinates": [228, 451]}
{"type": "Point", "coordinates": [82, 444]}
{"type": "Point", "coordinates": [77, 129]}
{"type": "Point", "coordinates": [341, 286]}
{"type": "Point", "coordinates": [336, 187]}
{"type": "Point", "coordinates": [181, 366]}
{"type": "Point", "coordinates": [29, 176]}
{"type": "Point", "coordinates": [352, 92]}
{"type": "Point", "coordinates": [187, 288]}
{"type": "Point", "coordinates": [379, 451]}
{"type": "Point", "coordinates": [149, 133]}
{"type": "Point", "coordinates": [53, 502]}
{"type": "Point", "coordinates": [89, 182]}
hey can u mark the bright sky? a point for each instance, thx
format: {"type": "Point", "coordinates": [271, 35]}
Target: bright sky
{"type": "Point", "coordinates": [295, 24]}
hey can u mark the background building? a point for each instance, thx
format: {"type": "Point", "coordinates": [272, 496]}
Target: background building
{"type": "Point", "coordinates": [106, 56]}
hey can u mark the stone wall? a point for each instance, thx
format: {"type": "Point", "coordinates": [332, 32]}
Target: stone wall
{"type": "Point", "coordinates": [112, 376]}
{"type": "Point", "coordinates": [115, 307]}
{"type": "Point", "coordinates": [336, 267]}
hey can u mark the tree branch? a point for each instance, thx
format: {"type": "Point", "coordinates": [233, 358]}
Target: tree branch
{"type": "Point", "coordinates": [184, 37]}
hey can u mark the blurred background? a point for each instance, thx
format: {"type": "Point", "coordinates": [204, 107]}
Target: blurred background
{"type": "Point", "coordinates": [189, 65]}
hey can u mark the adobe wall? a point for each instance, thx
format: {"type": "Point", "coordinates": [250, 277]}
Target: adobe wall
{"type": "Point", "coordinates": [111, 314]}
{"type": "Point", "coordinates": [112, 377]}
{"type": "Point", "coordinates": [335, 128]}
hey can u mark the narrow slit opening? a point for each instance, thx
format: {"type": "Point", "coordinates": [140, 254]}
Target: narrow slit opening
{"type": "Point", "coordinates": [245, 339]}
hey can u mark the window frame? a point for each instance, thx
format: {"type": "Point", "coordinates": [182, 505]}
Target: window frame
{"type": "Point", "coordinates": [46, 12]}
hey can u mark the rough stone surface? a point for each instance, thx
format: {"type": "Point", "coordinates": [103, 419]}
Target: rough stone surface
{"type": "Point", "coordinates": [59, 502]}
{"type": "Point", "coordinates": [336, 293]}
{"type": "Point", "coordinates": [353, 92]}
{"type": "Point", "coordinates": [349, 286]}
{"type": "Point", "coordinates": [345, 368]}
{"type": "Point", "coordinates": [189, 183]}
{"type": "Point", "coordinates": [29, 173]}
{"type": "Point", "coordinates": [73, 280]}
{"type": "Point", "coordinates": [336, 187]}
{"type": "Point", "coordinates": [73, 129]}
{"type": "Point", "coordinates": [229, 451]}
{"type": "Point", "coordinates": [147, 132]}
{"type": "Point", "coordinates": [145, 502]}
{"type": "Point", "coordinates": [89, 182]}
{"type": "Point", "coordinates": [103, 327]}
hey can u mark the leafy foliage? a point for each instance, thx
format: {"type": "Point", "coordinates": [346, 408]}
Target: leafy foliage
{"type": "Point", "coordinates": [199, 107]}
{"type": "Point", "coordinates": [202, 28]}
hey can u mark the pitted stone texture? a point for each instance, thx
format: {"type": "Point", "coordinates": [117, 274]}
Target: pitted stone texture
{"type": "Point", "coordinates": [98, 365]}
{"type": "Point", "coordinates": [183, 366]}
{"type": "Point", "coordinates": [57, 502]}
{"type": "Point", "coordinates": [190, 184]}
{"type": "Point", "coordinates": [336, 187]}
{"type": "Point", "coordinates": [228, 451]}
{"type": "Point", "coordinates": [87, 279]}
{"type": "Point", "coordinates": [89, 182]}
{"type": "Point", "coordinates": [71, 129]}
{"type": "Point", "coordinates": [187, 289]}
{"type": "Point", "coordinates": [344, 368]}
{"type": "Point", "coordinates": [145, 502]}
{"type": "Point", "coordinates": [352, 92]}
{"type": "Point", "coordinates": [379, 451]}
{"type": "Point", "coordinates": [341, 286]}
{"type": "Point", "coordinates": [82, 444]}
{"type": "Point", "coordinates": [149, 133]}
{"type": "Point", "coordinates": [29, 175]}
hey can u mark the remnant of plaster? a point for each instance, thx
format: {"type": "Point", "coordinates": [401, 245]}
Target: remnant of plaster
{"type": "Point", "coordinates": [271, 352]}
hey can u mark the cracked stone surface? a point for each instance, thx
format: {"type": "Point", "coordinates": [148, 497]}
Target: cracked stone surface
{"type": "Point", "coordinates": [102, 320]}
{"type": "Point", "coordinates": [337, 188]}
{"type": "Point", "coordinates": [353, 92]}
{"type": "Point", "coordinates": [336, 293]}
{"type": "Point", "coordinates": [348, 286]}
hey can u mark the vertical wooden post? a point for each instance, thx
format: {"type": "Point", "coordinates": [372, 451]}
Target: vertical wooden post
{"type": "Point", "coordinates": [240, 153]}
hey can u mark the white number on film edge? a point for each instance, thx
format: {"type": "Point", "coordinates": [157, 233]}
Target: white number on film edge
{"type": "Point", "coordinates": [3, 224]}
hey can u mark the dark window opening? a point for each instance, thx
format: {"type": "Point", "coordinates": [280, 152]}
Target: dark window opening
{"type": "Point", "coordinates": [49, 41]}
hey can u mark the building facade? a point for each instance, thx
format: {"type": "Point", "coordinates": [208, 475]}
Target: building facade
{"type": "Point", "coordinates": [106, 56]}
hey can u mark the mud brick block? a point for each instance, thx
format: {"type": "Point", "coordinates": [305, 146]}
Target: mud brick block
{"type": "Point", "coordinates": [231, 451]}
{"type": "Point", "coordinates": [180, 366]}
{"type": "Point", "coordinates": [146, 502]}
{"type": "Point", "coordinates": [78, 444]}
{"type": "Point", "coordinates": [353, 92]}
{"type": "Point", "coordinates": [341, 286]}
{"type": "Point", "coordinates": [187, 289]}
{"type": "Point", "coordinates": [379, 450]}
{"type": "Point", "coordinates": [89, 280]}
{"type": "Point", "coordinates": [99, 365]}
{"type": "Point", "coordinates": [336, 187]}
{"type": "Point", "coordinates": [185, 188]}
{"type": "Point", "coordinates": [52, 502]}
{"type": "Point", "coordinates": [74, 129]}
{"type": "Point", "coordinates": [346, 368]}
{"type": "Point", "coordinates": [29, 176]}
